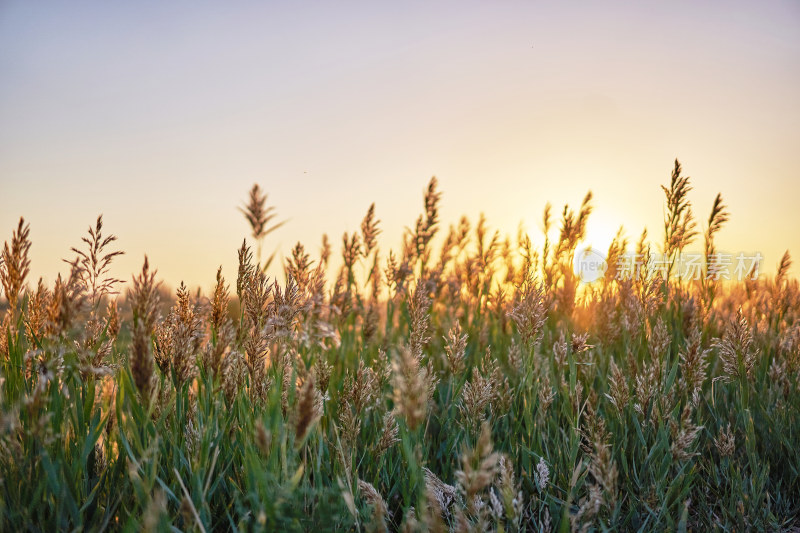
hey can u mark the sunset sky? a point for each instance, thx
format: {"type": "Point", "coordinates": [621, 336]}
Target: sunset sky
{"type": "Point", "coordinates": [162, 115]}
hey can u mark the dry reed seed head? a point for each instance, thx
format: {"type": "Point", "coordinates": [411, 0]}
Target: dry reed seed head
{"type": "Point", "coordinates": [349, 426]}
{"type": "Point", "coordinates": [218, 316]}
{"type": "Point", "coordinates": [322, 372]}
{"type": "Point", "coordinates": [573, 230]}
{"type": "Point", "coordinates": [93, 349]}
{"type": "Point", "coordinates": [215, 350]}
{"type": "Point", "coordinates": [234, 372]}
{"type": "Point", "coordinates": [397, 273]}
{"type": "Point", "coordinates": [476, 398]}
{"type": "Point", "coordinates": [245, 271]}
{"type": "Point", "coordinates": [375, 278]}
{"type": "Point", "coordinates": [736, 350]}
{"type": "Point", "coordinates": [444, 494]}
{"type": "Point", "coordinates": [647, 383]}
{"type": "Point", "coordinates": [719, 216]}
{"type": "Point", "coordinates": [694, 361]}
{"type": "Point", "coordinates": [410, 388]}
{"type": "Point", "coordinates": [546, 393]}
{"type": "Point", "coordinates": [92, 265]}
{"type": "Point", "coordinates": [560, 351]}
{"type": "Point", "coordinates": [789, 348]}
{"type": "Point", "coordinates": [389, 435]}
{"type": "Point", "coordinates": [692, 316]}
{"type": "Point", "coordinates": [5, 327]}
{"type": "Point", "coordinates": [383, 369]}
{"type": "Point", "coordinates": [361, 390]}
{"type": "Point", "coordinates": [372, 497]}
{"type": "Point", "coordinates": [256, 296]}
{"type": "Point", "coordinates": [725, 442]}
{"type": "Point", "coordinates": [529, 311]}
{"type": "Point", "coordinates": [351, 250]}
{"type": "Point", "coordinates": [112, 318]}
{"type": "Point", "coordinates": [258, 214]}
{"type": "Point", "coordinates": [427, 224]}
{"type": "Point", "coordinates": [298, 266]}
{"type": "Point", "coordinates": [433, 518]}
{"type": "Point", "coordinates": [659, 340]}
{"type": "Point", "coordinates": [615, 252]}
{"type": "Point", "coordinates": [618, 391]}
{"type": "Point", "coordinates": [15, 263]}
{"type": "Point", "coordinates": [325, 250]}
{"type": "Point", "coordinates": [314, 328]}
{"type": "Point", "coordinates": [588, 508]}
{"type": "Point", "coordinates": [284, 311]}
{"type": "Point", "coordinates": [542, 475]}
{"type": "Point", "coordinates": [783, 270]}
{"type": "Point", "coordinates": [478, 468]}
{"type": "Point", "coordinates": [679, 223]}
{"type": "Point", "coordinates": [509, 489]}
{"type": "Point", "coordinates": [683, 435]}
{"type": "Point", "coordinates": [418, 308]}
{"type": "Point", "coordinates": [37, 324]}
{"type": "Point", "coordinates": [515, 359]}
{"type": "Point", "coordinates": [579, 344]}
{"type": "Point", "coordinates": [179, 338]}
{"type": "Point", "coordinates": [455, 348]}
{"type": "Point", "coordinates": [369, 231]}
{"type": "Point", "coordinates": [779, 379]}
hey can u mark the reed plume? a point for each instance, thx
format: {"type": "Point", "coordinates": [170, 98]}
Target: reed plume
{"type": "Point", "coordinates": [679, 223]}
{"type": "Point", "coordinates": [94, 263]}
{"type": "Point", "coordinates": [736, 350]}
{"type": "Point", "coordinates": [15, 264]}
{"type": "Point", "coordinates": [259, 215]}
{"type": "Point", "coordinates": [144, 300]}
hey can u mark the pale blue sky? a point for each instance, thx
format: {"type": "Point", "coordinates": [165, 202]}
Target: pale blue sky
{"type": "Point", "coordinates": [161, 116]}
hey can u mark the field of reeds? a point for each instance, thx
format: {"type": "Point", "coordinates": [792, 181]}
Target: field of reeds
{"type": "Point", "coordinates": [464, 382]}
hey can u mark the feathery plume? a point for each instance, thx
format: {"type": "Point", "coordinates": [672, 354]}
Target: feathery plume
{"type": "Point", "coordinates": [410, 388]}
{"type": "Point", "coordinates": [455, 348]}
{"type": "Point", "coordinates": [93, 264]}
{"type": "Point", "coordinates": [725, 442]}
{"type": "Point", "coordinates": [15, 263]}
{"type": "Point", "coordinates": [736, 350]}
{"type": "Point", "coordinates": [144, 300]}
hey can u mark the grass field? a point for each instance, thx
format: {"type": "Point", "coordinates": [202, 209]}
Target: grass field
{"type": "Point", "coordinates": [465, 382]}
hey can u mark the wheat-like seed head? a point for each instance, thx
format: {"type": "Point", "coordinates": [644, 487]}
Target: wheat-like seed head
{"type": "Point", "coordinates": [379, 508]}
{"type": "Point", "coordinates": [529, 311]}
{"type": "Point", "coordinates": [410, 388]}
{"type": "Point", "coordinates": [309, 408]}
{"type": "Point", "coordinates": [455, 348]}
{"type": "Point", "coordinates": [618, 391]}
{"type": "Point", "coordinates": [736, 349]}
{"type": "Point", "coordinates": [15, 263]}
{"type": "Point", "coordinates": [94, 263]}
{"type": "Point", "coordinates": [683, 435]}
{"type": "Point", "coordinates": [478, 469]}
{"type": "Point", "coordinates": [144, 301]}
{"type": "Point", "coordinates": [725, 442]}
{"type": "Point", "coordinates": [258, 214]}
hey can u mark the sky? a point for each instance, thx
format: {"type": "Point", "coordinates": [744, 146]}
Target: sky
{"type": "Point", "coordinates": [161, 116]}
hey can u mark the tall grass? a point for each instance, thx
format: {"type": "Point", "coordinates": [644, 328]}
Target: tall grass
{"type": "Point", "coordinates": [472, 386]}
